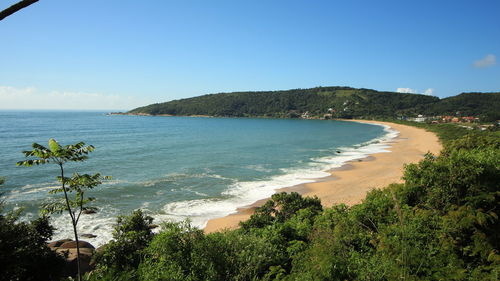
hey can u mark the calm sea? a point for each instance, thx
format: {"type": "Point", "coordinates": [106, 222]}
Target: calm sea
{"type": "Point", "coordinates": [175, 167]}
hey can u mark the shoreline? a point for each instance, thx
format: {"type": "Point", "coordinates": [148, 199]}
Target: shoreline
{"type": "Point", "coordinates": [350, 183]}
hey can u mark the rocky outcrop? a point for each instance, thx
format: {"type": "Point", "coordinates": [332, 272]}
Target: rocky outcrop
{"type": "Point", "coordinates": [67, 248]}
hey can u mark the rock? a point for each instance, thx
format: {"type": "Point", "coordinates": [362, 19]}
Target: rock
{"type": "Point", "coordinates": [153, 226]}
{"type": "Point", "coordinates": [72, 244]}
{"type": "Point", "coordinates": [88, 235]}
{"type": "Point", "coordinates": [71, 253]}
{"type": "Point", "coordinates": [67, 248]}
{"type": "Point", "coordinates": [72, 263]}
{"type": "Point", "coordinates": [55, 244]}
{"type": "Point", "coordinates": [338, 151]}
{"type": "Point", "coordinates": [88, 212]}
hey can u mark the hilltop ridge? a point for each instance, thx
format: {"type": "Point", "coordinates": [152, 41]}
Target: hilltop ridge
{"type": "Point", "coordinates": [330, 102]}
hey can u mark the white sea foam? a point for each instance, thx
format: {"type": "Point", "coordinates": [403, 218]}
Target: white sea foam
{"type": "Point", "coordinates": [179, 176]}
{"type": "Point", "coordinates": [30, 192]}
{"type": "Point", "coordinates": [100, 224]}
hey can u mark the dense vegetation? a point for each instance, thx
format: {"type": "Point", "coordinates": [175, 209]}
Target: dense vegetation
{"type": "Point", "coordinates": [345, 102]}
{"type": "Point", "coordinates": [24, 254]}
{"type": "Point", "coordinates": [441, 224]}
{"type": "Point", "coordinates": [485, 105]}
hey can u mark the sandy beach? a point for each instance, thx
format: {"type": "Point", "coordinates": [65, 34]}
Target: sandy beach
{"type": "Point", "coordinates": [350, 183]}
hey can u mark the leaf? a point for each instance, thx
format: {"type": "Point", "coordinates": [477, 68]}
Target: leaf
{"type": "Point", "coordinates": [54, 207]}
{"type": "Point", "coordinates": [54, 146]}
{"type": "Point", "coordinates": [27, 163]}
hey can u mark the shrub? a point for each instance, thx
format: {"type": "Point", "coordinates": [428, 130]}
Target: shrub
{"type": "Point", "coordinates": [132, 234]}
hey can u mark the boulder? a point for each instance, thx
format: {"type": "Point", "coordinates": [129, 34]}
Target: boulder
{"type": "Point", "coordinates": [55, 244]}
{"type": "Point", "coordinates": [88, 235]}
{"type": "Point", "coordinates": [72, 244]}
{"type": "Point", "coordinates": [67, 248]}
{"type": "Point", "coordinates": [71, 262]}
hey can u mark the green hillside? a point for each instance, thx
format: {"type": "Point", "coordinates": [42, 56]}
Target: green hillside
{"type": "Point", "coordinates": [344, 102]}
{"type": "Point", "coordinates": [486, 105]}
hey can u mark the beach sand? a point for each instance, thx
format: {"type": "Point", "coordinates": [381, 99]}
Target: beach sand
{"type": "Point", "coordinates": [350, 183]}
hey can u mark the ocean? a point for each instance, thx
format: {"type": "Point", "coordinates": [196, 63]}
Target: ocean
{"type": "Point", "coordinates": [175, 168]}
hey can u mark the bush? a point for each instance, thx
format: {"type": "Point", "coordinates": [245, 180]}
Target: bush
{"type": "Point", "coordinates": [24, 254]}
{"type": "Point", "coordinates": [182, 252]}
{"type": "Point", "coordinates": [132, 234]}
{"type": "Point", "coordinates": [281, 207]}
{"type": "Point", "coordinates": [442, 223]}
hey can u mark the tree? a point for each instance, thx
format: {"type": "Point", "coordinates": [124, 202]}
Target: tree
{"type": "Point", "coordinates": [132, 234]}
{"type": "Point", "coordinates": [24, 254]}
{"type": "Point", "coordinates": [281, 207]}
{"type": "Point", "coordinates": [59, 155]}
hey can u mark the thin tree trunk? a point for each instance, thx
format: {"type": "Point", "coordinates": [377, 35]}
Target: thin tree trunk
{"type": "Point", "coordinates": [16, 7]}
{"type": "Point", "coordinates": [77, 253]}
{"type": "Point", "coordinates": [73, 222]}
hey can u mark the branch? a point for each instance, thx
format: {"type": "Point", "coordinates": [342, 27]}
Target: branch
{"type": "Point", "coordinates": [16, 7]}
{"type": "Point", "coordinates": [81, 207]}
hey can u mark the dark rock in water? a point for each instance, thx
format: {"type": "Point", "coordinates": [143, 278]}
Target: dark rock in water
{"type": "Point", "coordinates": [153, 226]}
{"type": "Point", "coordinates": [359, 160]}
{"type": "Point", "coordinates": [88, 235]}
{"type": "Point", "coordinates": [72, 244]}
{"type": "Point", "coordinates": [88, 212]}
{"type": "Point", "coordinates": [338, 151]}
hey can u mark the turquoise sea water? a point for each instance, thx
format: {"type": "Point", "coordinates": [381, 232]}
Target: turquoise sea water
{"type": "Point", "coordinates": [176, 167]}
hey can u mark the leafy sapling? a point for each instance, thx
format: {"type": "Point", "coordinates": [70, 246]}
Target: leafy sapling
{"type": "Point", "coordinates": [77, 183]}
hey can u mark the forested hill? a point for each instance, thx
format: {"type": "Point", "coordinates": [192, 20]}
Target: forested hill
{"type": "Point", "coordinates": [485, 105]}
{"type": "Point", "coordinates": [341, 102]}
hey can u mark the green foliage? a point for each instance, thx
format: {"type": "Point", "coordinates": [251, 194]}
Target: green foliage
{"type": "Point", "coordinates": [181, 252]}
{"type": "Point", "coordinates": [345, 101]}
{"type": "Point", "coordinates": [56, 153]}
{"type": "Point", "coordinates": [131, 235]}
{"type": "Point", "coordinates": [280, 208]}
{"type": "Point", "coordinates": [110, 274]}
{"type": "Point", "coordinates": [441, 224]}
{"type": "Point", "coordinates": [169, 256]}
{"type": "Point", "coordinates": [464, 177]}
{"type": "Point", "coordinates": [474, 141]}
{"type": "Point", "coordinates": [484, 105]}
{"type": "Point", "coordinates": [452, 135]}
{"type": "Point", "coordinates": [23, 252]}
{"type": "Point", "coordinates": [78, 184]}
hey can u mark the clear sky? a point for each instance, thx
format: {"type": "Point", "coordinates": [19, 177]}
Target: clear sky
{"type": "Point", "coordinates": [111, 54]}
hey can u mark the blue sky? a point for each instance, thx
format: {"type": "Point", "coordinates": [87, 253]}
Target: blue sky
{"type": "Point", "coordinates": [123, 54]}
